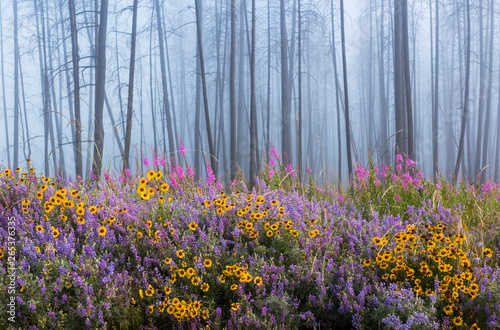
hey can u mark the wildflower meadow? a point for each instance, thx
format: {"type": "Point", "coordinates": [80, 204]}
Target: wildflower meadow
{"type": "Point", "coordinates": [162, 250]}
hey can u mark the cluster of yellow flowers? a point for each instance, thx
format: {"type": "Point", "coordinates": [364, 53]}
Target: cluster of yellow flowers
{"type": "Point", "coordinates": [430, 261]}
{"type": "Point", "coordinates": [239, 272]}
{"type": "Point", "coordinates": [148, 186]}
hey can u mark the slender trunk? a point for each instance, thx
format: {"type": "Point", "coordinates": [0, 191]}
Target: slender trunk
{"type": "Point", "coordinates": [286, 132]}
{"type": "Point", "coordinates": [346, 93]}
{"type": "Point", "coordinates": [482, 91]}
{"type": "Point", "coordinates": [204, 86]}
{"type": "Point", "coordinates": [253, 107]}
{"type": "Point", "coordinates": [130, 99]}
{"type": "Point", "coordinates": [166, 104]}
{"type": "Point", "coordinates": [3, 93]}
{"type": "Point", "coordinates": [299, 131]}
{"type": "Point", "coordinates": [489, 96]}
{"type": "Point", "coordinates": [16, 89]}
{"type": "Point", "coordinates": [232, 92]}
{"type": "Point", "coordinates": [100, 90]}
{"type": "Point", "coordinates": [409, 108]}
{"type": "Point", "coordinates": [466, 100]}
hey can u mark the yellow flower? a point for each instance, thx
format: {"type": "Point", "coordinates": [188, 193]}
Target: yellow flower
{"type": "Point", "coordinates": [193, 225]}
{"type": "Point", "coordinates": [92, 209]}
{"type": "Point", "coordinates": [37, 249]}
{"type": "Point", "coordinates": [102, 231]}
{"type": "Point", "coordinates": [151, 174]}
{"type": "Point", "coordinates": [55, 232]}
{"type": "Point", "coordinates": [207, 263]}
{"type": "Point", "coordinates": [205, 287]}
{"type": "Point", "coordinates": [167, 289]}
{"type": "Point", "coordinates": [448, 309]}
{"type": "Point", "coordinates": [377, 241]}
{"type": "Point", "coordinates": [140, 293]}
{"type": "Point", "coordinates": [269, 233]}
{"type": "Point", "coordinates": [168, 261]}
{"type": "Point", "coordinates": [367, 262]}
{"type": "Point", "coordinates": [39, 229]}
{"type": "Point", "coordinates": [458, 320]}
{"type": "Point", "coordinates": [234, 287]}
{"type": "Point", "coordinates": [180, 254]}
{"type": "Point", "coordinates": [235, 306]}
{"type": "Point", "coordinates": [257, 280]}
{"type": "Point", "coordinates": [312, 233]}
{"type": "Point", "coordinates": [488, 253]}
{"type": "Point", "coordinates": [196, 280]}
{"type": "Point", "coordinates": [150, 291]}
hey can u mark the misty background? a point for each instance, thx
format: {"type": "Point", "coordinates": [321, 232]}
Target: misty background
{"type": "Point", "coordinates": [326, 83]}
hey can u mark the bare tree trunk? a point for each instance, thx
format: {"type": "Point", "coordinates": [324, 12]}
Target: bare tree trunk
{"type": "Point", "coordinates": [166, 104]}
{"type": "Point", "coordinates": [466, 100]}
{"type": "Point", "coordinates": [399, 104]}
{"type": "Point", "coordinates": [99, 90]}
{"type": "Point", "coordinates": [3, 93]}
{"type": "Point", "coordinates": [253, 106]}
{"type": "Point", "coordinates": [337, 97]}
{"type": "Point", "coordinates": [299, 133]}
{"type": "Point", "coordinates": [204, 86]}
{"type": "Point", "coordinates": [482, 91]}
{"type": "Point", "coordinates": [232, 92]}
{"type": "Point", "coordinates": [16, 89]}
{"type": "Point", "coordinates": [409, 108]}
{"type": "Point", "coordinates": [130, 99]}
{"type": "Point", "coordinates": [346, 93]}
{"type": "Point", "coordinates": [384, 111]}
{"type": "Point", "coordinates": [286, 129]}
{"type": "Point", "coordinates": [435, 106]}
{"type": "Point", "coordinates": [489, 96]}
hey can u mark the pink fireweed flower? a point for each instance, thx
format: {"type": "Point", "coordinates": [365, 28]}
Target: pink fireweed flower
{"type": "Point", "coordinates": [362, 174]}
{"type": "Point", "coordinates": [182, 150]}
{"type": "Point", "coordinates": [399, 158]}
{"type": "Point", "coordinates": [289, 169]}
{"type": "Point", "coordinates": [308, 170]}
{"type": "Point", "coordinates": [487, 187]}
{"type": "Point", "coordinates": [180, 172]}
{"type": "Point", "coordinates": [145, 161]}
{"type": "Point", "coordinates": [210, 174]}
{"type": "Point", "coordinates": [410, 163]}
{"type": "Point", "coordinates": [190, 172]}
{"type": "Point", "coordinates": [272, 162]}
{"type": "Point", "coordinates": [498, 198]}
{"type": "Point", "coordinates": [275, 153]}
{"type": "Point", "coordinates": [384, 171]}
{"type": "Point", "coordinates": [340, 199]}
{"type": "Point", "coordinates": [270, 173]}
{"type": "Point", "coordinates": [397, 198]}
{"type": "Point", "coordinates": [174, 183]}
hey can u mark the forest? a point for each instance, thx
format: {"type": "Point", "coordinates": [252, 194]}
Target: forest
{"type": "Point", "coordinates": [89, 86]}
{"type": "Point", "coordinates": [249, 164]}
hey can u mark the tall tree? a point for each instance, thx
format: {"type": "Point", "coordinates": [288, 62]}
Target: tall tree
{"type": "Point", "coordinates": [3, 91]}
{"type": "Point", "coordinates": [465, 105]}
{"type": "Point", "coordinates": [100, 90]}
{"type": "Point", "coordinates": [299, 129]}
{"type": "Point", "coordinates": [435, 105]}
{"type": "Point", "coordinates": [204, 87]}
{"type": "Point", "coordinates": [130, 99]}
{"type": "Point", "coordinates": [166, 104]}
{"type": "Point", "coordinates": [286, 129]}
{"type": "Point", "coordinates": [407, 81]}
{"type": "Point", "coordinates": [253, 106]}
{"type": "Point", "coordinates": [16, 88]}
{"type": "Point", "coordinates": [346, 92]}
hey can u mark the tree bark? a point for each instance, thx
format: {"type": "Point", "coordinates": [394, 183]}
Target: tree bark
{"type": "Point", "coordinates": [130, 99]}
{"type": "Point", "coordinates": [100, 90]}
{"type": "Point", "coordinates": [204, 87]}
{"type": "Point", "coordinates": [466, 100]}
{"type": "Point", "coordinates": [346, 93]}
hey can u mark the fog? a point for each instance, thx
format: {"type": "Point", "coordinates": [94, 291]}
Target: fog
{"type": "Point", "coordinates": [418, 77]}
